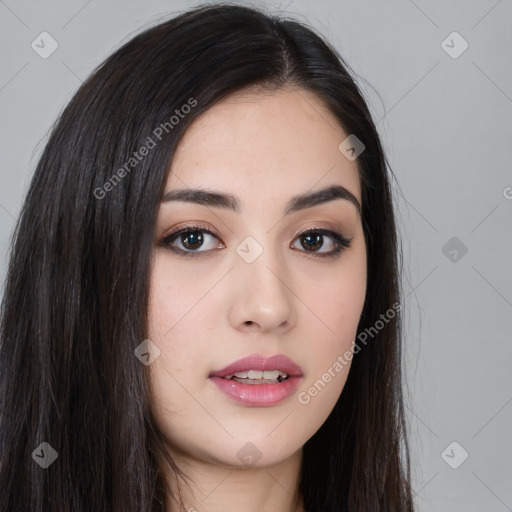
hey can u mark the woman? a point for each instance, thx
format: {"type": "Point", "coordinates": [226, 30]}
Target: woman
{"type": "Point", "coordinates": [202, 303]}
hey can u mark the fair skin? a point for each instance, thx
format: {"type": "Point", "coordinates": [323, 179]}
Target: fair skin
{"type": "Point", "coordinates": [209, 310]}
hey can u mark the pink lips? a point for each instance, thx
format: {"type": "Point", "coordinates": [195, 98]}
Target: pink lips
{"type": "Point", "coordinates": [257, 362]}
{"type": "Point", "coordinates": [259, 395]}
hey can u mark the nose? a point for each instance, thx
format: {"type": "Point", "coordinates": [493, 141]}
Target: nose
{"type": "Point", "coordinates": [262, 298]}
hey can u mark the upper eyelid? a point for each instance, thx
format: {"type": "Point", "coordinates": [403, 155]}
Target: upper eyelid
{"type": "Point", "coordinates": [191, 228]}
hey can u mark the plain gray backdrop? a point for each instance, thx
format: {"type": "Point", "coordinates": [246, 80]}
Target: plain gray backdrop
{"type": "Point", "coordinates": [438, 79]}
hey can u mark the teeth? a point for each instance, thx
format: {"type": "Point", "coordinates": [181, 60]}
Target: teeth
{"type": "Point", "coordinates": [257, 374]}
{"type": "Point", "coordinates": [273, 374]}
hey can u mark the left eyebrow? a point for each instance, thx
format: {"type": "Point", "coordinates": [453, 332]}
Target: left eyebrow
{"type": "Point", "coordinates": [323, 195]}
{"type": "Point", "coordinates": [228, 201]}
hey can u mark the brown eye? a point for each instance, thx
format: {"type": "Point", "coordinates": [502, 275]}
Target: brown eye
{"type": "Point", "coordinates": [314, 239]}
{"type": "Point", "coordinates": [312, 242]}
{"type": "Point", "coordinates": [190, 239]}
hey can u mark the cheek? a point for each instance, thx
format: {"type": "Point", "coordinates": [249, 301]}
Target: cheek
{"type": "Point", "coordinates": [180, 324]}
{"type": "Point", "coordinates": [349, 292]}
{"type": "Point", "coordinates": [335, 297]}
{"type": "Point", "coordinates": [176, 300]}
{"type": "Point", "coordinates": [336, 309]}
{"type": "Point", "coordinates": [343, 306]}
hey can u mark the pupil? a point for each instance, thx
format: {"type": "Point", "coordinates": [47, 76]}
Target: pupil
{"type": "Point", "coordinates": [313, 242]}
{"type": "Point", "coordinates": [192, 237]}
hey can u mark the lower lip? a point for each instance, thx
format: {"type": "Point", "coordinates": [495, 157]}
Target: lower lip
{"type": "Point", "coordinates": [257, 395]}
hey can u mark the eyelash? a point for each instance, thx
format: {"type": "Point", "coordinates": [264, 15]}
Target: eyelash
{"type": "Point", "coordinates": [341, 242]}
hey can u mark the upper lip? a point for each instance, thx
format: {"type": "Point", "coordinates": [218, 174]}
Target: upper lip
{"type": "Point", "coordinates": [257, 362]}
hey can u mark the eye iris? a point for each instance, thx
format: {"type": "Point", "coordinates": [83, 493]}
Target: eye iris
{"type": "Point", "coordinates": [313, 242]}
{"type": "Point", "coordinates": [193, 238]}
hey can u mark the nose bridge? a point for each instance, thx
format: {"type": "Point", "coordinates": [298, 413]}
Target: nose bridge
{"type": "Point", "coordinates": [263, 293]}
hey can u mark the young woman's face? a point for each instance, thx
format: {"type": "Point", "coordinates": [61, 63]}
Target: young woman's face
{"type": "Point", "coordinates": [257, 286]}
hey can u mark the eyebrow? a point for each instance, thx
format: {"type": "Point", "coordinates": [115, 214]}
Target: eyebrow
{"type": "Point", "coordinates": [228, 201]}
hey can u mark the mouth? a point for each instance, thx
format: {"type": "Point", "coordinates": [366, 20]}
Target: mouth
{"type": "Point", "coordinates": [256, 369]}
{"type": "Point", "coordinates": [258, 381]}
{"type": "Point", "coordinates": [258, 377]}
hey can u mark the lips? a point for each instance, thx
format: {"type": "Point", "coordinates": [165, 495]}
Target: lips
{"type": "Point", "coordinates": [259, 363]}
{"type": "Point", "coordinates": [259, 392]}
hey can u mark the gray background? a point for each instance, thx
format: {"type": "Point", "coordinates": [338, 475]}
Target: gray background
{"type": "Point", "coordinates": [445, 124]}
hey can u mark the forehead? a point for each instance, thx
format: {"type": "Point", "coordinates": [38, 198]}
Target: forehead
{"type": "Point", "coordinates": [282, 142]}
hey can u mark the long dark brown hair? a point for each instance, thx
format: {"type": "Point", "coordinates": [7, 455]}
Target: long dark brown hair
{"type": "Point", "coordinates": [76, 296]}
